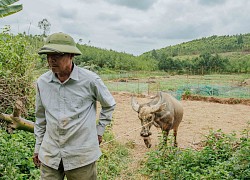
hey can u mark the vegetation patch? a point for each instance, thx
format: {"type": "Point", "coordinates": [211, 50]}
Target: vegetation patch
{"type": "Point", "coordinates": [16, 151]}
{"type": "Point", "coordinates": [216, 100]}
{"type": "Point", "coordinates": [114, 159]}
{"type": "Point", "coordinates": [219, 156]}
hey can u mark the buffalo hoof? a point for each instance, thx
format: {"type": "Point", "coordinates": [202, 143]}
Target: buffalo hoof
{"type": "Point", "coordinates": [147, 142]}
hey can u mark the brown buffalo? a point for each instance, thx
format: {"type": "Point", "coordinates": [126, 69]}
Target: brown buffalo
{"type": "Point", "coordinates": [163, 111]}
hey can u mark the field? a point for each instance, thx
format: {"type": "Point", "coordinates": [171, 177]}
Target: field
{"type": "Point", "coordinates": [199, 118]}
{"type": "Point", "coordinates": [124, 152]}
{"type": "Point", "coordinates": [228, 86]}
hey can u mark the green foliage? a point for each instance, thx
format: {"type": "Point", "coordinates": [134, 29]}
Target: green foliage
{"type": "Point", "coordinates": [112, 60]}
{"type": "Point", "coordinates": [215, 54]}
{"type": "Point", "coordinates": [16, 151]}
{"type": "Point", "coordinates": [203, 56]}
{"type": "Point", "coordinates": [222, 156]}
{"type": "Point", "coordinates": [6, 7]}
{"type": "Point", "coordinates": [17, 61]}
{"type": "Point", "coordinates": [114, 158]}
{"type": "Point", "coordinates": [213, 44]}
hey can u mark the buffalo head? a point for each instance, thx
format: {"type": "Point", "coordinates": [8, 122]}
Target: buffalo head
{"type": "Point", "coordinates": [147, 114]}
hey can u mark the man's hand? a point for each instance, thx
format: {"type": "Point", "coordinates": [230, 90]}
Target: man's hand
{"type": "Point", "coordinates": [100, 139]}
{"type": "Point", "coordinates": [36, 160]}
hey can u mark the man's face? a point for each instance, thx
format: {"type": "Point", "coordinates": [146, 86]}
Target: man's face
{"type": "Point", "coordinates": [60, 63]}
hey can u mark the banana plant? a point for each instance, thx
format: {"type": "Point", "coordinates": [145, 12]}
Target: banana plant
{"type": "Point", "coordinates": [7, 8]}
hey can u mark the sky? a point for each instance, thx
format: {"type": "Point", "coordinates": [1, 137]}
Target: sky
{"type": "Point", "coordinates": [133, 26]}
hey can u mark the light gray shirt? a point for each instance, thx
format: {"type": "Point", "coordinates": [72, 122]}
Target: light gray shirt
{"type": "Point", "coordinates": [65, 127]}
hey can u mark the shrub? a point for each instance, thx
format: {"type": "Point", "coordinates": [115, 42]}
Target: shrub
{"type": "Point", "coordinates": [222, 156]}
{"type": "Point", "coordinates": [17, 62]}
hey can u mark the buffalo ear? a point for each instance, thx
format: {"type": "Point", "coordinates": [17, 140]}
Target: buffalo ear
{"type": "Point", "coordinates": [134, 104]}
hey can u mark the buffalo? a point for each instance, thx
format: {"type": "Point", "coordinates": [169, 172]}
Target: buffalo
{"type": "Point", "coordinates": [163, 111]}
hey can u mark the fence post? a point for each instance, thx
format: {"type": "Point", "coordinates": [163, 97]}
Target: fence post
{"type": "Point", "coordinates": [138, 87]}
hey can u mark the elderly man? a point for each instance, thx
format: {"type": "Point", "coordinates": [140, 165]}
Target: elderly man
{"type": "Point", "coordinates": [66, 131]}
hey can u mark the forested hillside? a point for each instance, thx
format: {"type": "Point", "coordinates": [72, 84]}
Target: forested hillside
{"type": "Point", "coordinates": [212, 44]}
{"type": "Point", "coordinates": [108, 59]}
{"type": "Point", "coordinates": [215, 54]}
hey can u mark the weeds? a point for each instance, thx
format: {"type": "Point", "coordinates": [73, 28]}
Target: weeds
{"type": "Point", "coordinates": [114, 158]}
{"type": "Point", "coordinates": [16, 151]}
{"type": "Point", "coordinates": [221, 156]}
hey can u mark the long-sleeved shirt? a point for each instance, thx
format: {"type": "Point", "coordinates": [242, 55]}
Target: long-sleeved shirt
{"type": "Point", "coordinates": [65, 127]}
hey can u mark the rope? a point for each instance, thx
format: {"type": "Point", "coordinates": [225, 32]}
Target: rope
{"type": "Point", "coordinates": [105, 143]}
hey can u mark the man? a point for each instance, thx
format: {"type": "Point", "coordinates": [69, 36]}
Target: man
{"type": "Point", "coordinates": [67, 137]}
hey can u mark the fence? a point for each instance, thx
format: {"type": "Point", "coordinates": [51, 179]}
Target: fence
{"type": "Point", "coordinates": [208, 85]}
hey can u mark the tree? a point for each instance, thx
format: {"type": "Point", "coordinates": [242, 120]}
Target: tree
{"type": "Point", "coordinates": [6, 7]}
{"type": "Point", "coordinates": [44, 25]}
{"type": "Point", "coordinates": [240, 39]}
{"type": "Point", "coordinates": [154, 54]}
{"type": "Point", "coordinates": [166, 63]}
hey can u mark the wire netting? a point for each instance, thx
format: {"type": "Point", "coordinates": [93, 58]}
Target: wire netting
{"type": "Point", "coordinates": [227, 86]}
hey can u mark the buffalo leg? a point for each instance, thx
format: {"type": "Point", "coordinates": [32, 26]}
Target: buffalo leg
{"type": "Point", "coordinates": [175, 138]}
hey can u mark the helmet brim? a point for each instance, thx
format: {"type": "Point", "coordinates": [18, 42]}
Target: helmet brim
{"type": "Point", "coordinates": [58, 48]}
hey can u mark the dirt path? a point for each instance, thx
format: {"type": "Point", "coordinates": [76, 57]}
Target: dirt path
{"type": "Point", "coordinates": [199, 118]}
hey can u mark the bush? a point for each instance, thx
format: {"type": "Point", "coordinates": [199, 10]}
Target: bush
{"type": "Point", "coordinates": [16, 151]}
{"type": "Point", "coordinates": [17, 62]}
{"type": "Point", "coordinates": [222, 156]}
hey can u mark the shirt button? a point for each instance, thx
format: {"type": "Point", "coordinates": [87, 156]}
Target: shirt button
{"type": "Point", "coordinates": [62, 131]}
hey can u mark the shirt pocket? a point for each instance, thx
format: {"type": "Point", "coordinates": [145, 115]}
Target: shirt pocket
{"type": "Point", "coordinates": [77, 103]}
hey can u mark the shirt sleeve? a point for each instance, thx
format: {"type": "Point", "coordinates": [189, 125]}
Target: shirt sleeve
{"type": "Point", "coordinates": [107, 103]}
{"type": "Point", "coordinates": [40, 124]}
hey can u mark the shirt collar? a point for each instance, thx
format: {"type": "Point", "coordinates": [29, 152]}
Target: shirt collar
{"type": "Point", "coordinates": [73, 75]}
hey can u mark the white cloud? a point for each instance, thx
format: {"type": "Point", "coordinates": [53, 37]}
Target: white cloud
{"type": "Point", "coordinates": [133, 26]}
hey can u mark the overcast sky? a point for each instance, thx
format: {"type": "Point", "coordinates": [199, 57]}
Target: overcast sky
{"type": "Point", "coordinates": [133, 26]}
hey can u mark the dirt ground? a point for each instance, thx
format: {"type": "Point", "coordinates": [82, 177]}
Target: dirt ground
{"type": "Point", "coordinates": [199, 118]}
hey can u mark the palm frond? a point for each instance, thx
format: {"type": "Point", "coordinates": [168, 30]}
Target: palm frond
{"type": "Point", "coordinates": [4, 3]}
{"type": "Point", "coordinates": [8, 10]}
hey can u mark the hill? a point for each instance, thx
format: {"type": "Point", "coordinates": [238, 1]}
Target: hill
{"type": "Point", "coordinates": [215, 54]}
{"type": "Point", "coordinates": [213, 44]}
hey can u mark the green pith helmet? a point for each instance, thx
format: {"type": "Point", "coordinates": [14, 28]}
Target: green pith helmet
{"type": "Point", "coordinates": [59, 43]}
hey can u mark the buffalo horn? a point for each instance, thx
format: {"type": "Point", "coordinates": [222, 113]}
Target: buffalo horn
{"type": "Point", "coordinates": [159, 105]}
{"type": "Point", "coordinates": [134, 104]}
